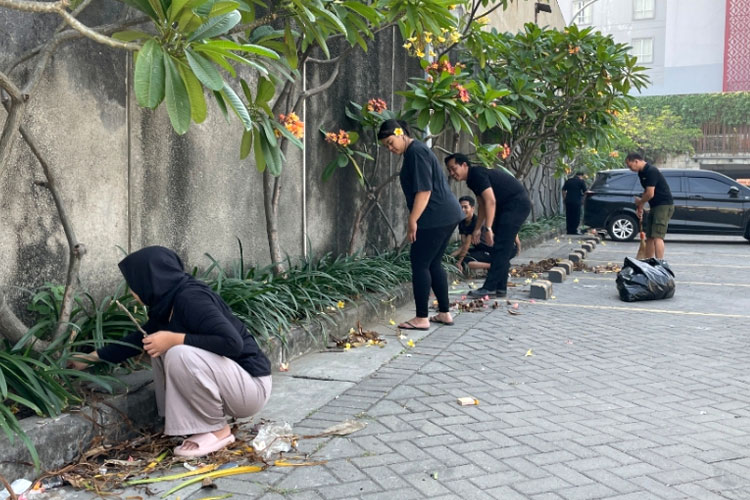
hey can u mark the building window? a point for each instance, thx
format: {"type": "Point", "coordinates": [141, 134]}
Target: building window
{"type": "Point", "coordinates": [644, 9]}
{"type": "Point", "coordinates": [584, 16]}
{"type": "Point", "coordinates": [643, 49]}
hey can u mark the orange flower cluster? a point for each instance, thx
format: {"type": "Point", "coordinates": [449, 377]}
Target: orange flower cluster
{"type": "Point", "coordinates": [444, 65]}
{"type": "Point", "coordinates": [376, 105]}
{"type": "Point", "coordinates": [614, 154]}
{"type": "Point", "coordinates": [293, 124]}
{"type": "Point", "coordinates": [573, 50]}
{"type": "Point", "coordinates": [463, 94]}
{"type": "Point", "coordinates": [342, 138]}
{"type": "Point", "coordinates": [504, 153]}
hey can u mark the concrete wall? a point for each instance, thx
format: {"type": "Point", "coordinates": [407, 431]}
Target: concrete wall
{"type": "Point", "coordinates": [128, 181]}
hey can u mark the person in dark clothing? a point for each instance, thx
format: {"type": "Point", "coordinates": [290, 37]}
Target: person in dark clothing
{"type": "Point", "coordinates": [206, 364]}
{"type": "Point", "coordinates": [659, 197]}
{"type": "Point", "coordinates": [434, 213]}
{"type": "Point", "coordinates": [503, 208]}
{"type": "Point", "coordinates": [573, 192]}
{"type": "Point", "coordinates": [476, 256]}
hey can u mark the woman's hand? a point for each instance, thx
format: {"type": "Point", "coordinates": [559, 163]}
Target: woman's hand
{"type": "Point", "coordinates": [411, 230]}
{"type": "Point", "coordinates": [81, 361]}
{"type": "Point", "coordinates": [158, 343]}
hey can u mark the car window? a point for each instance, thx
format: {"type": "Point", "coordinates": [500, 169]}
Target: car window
{"type": "Point", "coordinates": [622, 182]}
{"type": "Point", "coordinates": [703, 185]}
{"type": "Point", "coordinates": [674, 183]}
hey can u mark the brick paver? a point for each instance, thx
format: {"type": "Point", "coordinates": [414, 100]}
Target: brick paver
{"type": "Point", "coordinates": [616, 400]}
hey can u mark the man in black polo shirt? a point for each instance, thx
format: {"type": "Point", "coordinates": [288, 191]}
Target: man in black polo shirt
{"type": "Point", "coordinates": [659, 197]}
{"type": "Point", "coordinates": [573, 191]}
{"type": "Point", "coordinates": [503, 207]}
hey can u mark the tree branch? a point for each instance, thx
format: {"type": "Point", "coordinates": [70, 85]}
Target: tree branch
{"type": "Point", "coordinates": [59, 9]}
{"type": "Point", "coordinates": [15, 110]}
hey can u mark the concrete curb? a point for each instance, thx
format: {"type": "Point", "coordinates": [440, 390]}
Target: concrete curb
{"type": "Point", "coordinates": [61, 439]}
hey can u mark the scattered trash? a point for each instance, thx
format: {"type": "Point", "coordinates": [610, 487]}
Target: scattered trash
{"type": "Point", "coordinates": [468, 401]}
{"type": "Point", "coordinates": [533, 269]}
{"type": "Point", "coordinates": [219, 473]}
{"type": "Point", "coordinates": [530, 352]}
{"type": "Point", "coordinates": [287, 463]}
{"type": "Point", "coordinates": [283, 367]}
{"type": "Point", "coordinates": [434, 475]}
{"type": "Point", "coordinates": [514, 312]}
{"type": "Point", "coordinates": [18, 486]}
{"type": "Point", "coordinates": [359, 336]}
{"type": "Point", "coordinates": [575, 280]}
{"type": "Point", "coordinates": [344, 428]}
{"type": "Point", "coordinates": [274, 438]}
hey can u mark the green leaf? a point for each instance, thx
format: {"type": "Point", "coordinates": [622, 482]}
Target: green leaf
{"type": "Point", "coordinates": [175, 9]}
{"type": "Point", "coordinates": [246, 144]}
{"type": "Point", "coordinates": [216, 26]}
{"type": "Point", "coordinates": [204, 70]}
{"type": "Point", "coordinates": [218, 58]}
{"type": "Point", "coordinates": [130, 35]}
{"type": "Point", "coordinates": [220, 8]}
{"type": "Point", "coordinates": [222, 105]}
{"type": "Point", "coordinates": [329, 169]}
{"type": "Point", "coordinates": [265, 92]}
{"type": "Point", "coordinates": [260, 159]}
{"type": "Point", "coordinates": [178, 102]}
{"type": "Point", "coordinates": [238, 106]}
{"type": "Point", "coordinates": [149, 75]}
{"type": "Point", "coordinates": [195, 94]}
{"type": "Point", "coordinates": [247, 47]}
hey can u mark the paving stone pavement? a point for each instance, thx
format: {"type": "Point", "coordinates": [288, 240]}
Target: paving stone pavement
{"type": "Point", "coordinates": [581, 397]}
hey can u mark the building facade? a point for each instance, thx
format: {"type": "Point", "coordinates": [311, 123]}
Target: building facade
{"type": "Point", "coordinates": [689, 46]}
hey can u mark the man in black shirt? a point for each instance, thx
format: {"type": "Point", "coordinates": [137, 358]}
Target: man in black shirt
{"type": "Point", "coordinates": [659, 197]}
{"type": "Point", "coordinates": [503, 207]}
{"type": "Point", "coordinates": [573, 191]}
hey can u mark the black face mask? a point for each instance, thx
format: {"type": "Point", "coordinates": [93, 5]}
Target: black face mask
{"type": "Point", "coordinates": [155, 274]}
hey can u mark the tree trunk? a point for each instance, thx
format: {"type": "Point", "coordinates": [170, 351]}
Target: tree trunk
{"type": "Point", "coordinates": [271, 188]}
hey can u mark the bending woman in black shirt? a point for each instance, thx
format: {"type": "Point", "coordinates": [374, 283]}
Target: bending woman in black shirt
{"type": "Point", "coordinates": [206, 364]}
{"type": "Point", "coordinates": [434, 213]}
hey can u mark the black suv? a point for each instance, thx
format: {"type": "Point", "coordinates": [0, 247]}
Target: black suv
{"type": "Point", "coordinates": [705, 202]}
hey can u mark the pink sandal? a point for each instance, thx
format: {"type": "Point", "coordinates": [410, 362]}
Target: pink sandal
{"type": "Point", "coordinates": [207, 443]}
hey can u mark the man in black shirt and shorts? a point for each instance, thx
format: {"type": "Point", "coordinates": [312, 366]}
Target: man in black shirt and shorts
{"type": "Point", "coordinates": [659, 197]}
{"type": "Point", "coordinates": [503, 207]}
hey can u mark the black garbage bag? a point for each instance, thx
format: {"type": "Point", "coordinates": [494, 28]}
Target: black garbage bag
{"type": "Point", "coordinates": [649, 279]}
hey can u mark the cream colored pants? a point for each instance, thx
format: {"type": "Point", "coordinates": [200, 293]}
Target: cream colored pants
{"type": "Point", "coordinates": [196, 390]}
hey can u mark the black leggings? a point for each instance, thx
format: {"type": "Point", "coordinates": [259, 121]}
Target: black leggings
{"type": "Point", "coordinates": [427, 271]}
{"type": "Point", "coordinates": [506, 226]}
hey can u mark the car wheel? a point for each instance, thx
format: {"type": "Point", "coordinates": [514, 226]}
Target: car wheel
{"type": "Point", "coordinates": [622, 227]}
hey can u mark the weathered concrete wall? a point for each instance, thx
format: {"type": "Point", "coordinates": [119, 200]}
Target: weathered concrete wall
{"type": "Point", "coordinates": [128, 180]}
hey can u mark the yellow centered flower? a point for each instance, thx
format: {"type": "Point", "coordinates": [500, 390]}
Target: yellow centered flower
{"type": "Point", "coordinates": [398, 132]}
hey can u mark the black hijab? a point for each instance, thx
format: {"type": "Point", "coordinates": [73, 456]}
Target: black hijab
{"type": "Point", "coordinates": [156, 274]}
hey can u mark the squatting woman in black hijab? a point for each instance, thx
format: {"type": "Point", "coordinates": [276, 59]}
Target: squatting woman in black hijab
{"type": "Point", "coordinates": [206, 364]}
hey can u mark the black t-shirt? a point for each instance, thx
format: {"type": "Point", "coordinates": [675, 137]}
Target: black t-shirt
{"type": "Point", "coordinates": [467, 228]}
{"type": "Point", "coordinates": [574, 189]}
{"type": "Point", "coordinates": [421, 172]}
{"type": "Point", "coordinates": [650, 176]}
{"type": "Point", "coordinates": [505, 187]}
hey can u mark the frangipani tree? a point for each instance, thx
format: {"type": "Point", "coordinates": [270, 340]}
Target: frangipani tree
{"type": "Point", "coordinates": [566, 86]}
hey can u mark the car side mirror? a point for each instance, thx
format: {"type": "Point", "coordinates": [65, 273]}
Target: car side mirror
{"type": "Point", "coordinates": [734, 191]}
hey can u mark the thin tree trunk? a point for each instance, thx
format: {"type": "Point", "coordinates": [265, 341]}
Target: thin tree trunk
{"type": "Point", "coordinates": [76, 250]}
{"type": "Point", "coordinates": [270, 204]}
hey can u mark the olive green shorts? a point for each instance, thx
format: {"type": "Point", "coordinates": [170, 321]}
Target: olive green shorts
{"type": "Point", "coordinates": [655, 222]}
